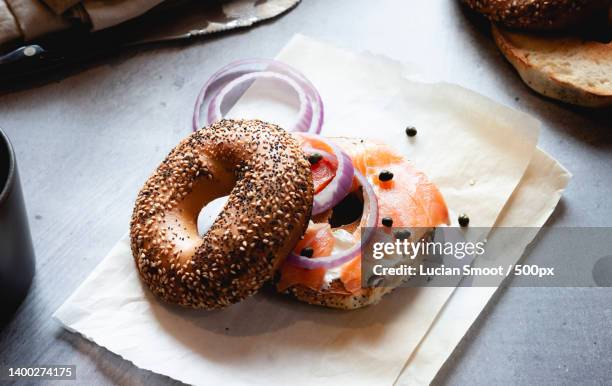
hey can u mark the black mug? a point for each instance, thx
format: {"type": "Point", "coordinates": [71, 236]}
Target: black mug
{"type": "Point", "coordinates": [16, 250]}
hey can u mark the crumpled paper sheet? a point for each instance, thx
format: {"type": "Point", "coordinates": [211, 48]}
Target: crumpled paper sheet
{"type": "Point", "coordinates": [60, 6]}
{"type": "Point", "coordinates": [235, 13]}
{"type": "Point", "coordinates": [272, 340]}
{"type": "Point", "coordinates": [9, 29]}
{"type": "Point", "coordinates": [31, 19]}
{"type": "Point", "coordinates": [104, 14]}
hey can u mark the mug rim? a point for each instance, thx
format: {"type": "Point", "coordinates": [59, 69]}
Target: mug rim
{"type": "Point", "coordinates": [4, 141]}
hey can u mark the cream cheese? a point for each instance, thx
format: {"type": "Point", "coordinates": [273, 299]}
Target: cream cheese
{"type": "Point", "coordinates": [343, 241]}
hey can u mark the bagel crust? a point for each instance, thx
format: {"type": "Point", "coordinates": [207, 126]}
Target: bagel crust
{"type": "Point", "coordinates": [334, 297]}
{"type": "Point", "coordinates": [537, 14]}
{"type": "Point", "coordinates": [269, 183]}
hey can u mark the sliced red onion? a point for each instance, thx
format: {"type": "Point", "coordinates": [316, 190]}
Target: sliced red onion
{"type": "Point", "coordinates": [368, 222]}
{"type": "Point", "coordinates": [214, 108]}
{"type": "Point", "coordinates": [342, 182]}
{"type": "Point", "coordinates": [234, 79]}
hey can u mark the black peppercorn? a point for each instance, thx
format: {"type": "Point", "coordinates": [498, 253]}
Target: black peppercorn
{"type": "Point", "coordinates": [314, 158]}
{"type": "Point", "coordinates": [307, 252]}
{"type": "Point", "coordinates": [411, 131]}
{"type": "Point", "coordinates": [385, 175]}
{"type": "Point", "coordinates": [387, 221]}
{"type": "Point", "coordinates": [464, 220]}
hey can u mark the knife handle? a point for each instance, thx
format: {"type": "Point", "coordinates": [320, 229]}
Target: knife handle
{"type": "Point", "coordinates": [22, 53]}
{"type": "Point", "coordinates": [31, 61]}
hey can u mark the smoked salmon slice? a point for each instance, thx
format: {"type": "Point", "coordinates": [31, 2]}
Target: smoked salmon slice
{"type": "Point", "coordinates": [324, 170]}
{"type": "Point", "coordinates": [322, 174]}
{"type": "Point", "coordinates": [318, 237]}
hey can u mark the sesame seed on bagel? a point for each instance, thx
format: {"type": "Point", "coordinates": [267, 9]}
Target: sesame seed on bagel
{"type": "Point", "coordinates": [269, 183]}
{"type": "Point", "coordinates": [538, 14]}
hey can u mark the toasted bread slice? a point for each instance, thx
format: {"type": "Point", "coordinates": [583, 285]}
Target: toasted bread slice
{"type": "Point", "coordinates": [569, 69]}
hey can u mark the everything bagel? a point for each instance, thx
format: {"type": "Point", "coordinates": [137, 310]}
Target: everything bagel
{"type": "Point", "coordinates": [538, 14]}
{"type": "Point", "coordinates": [269, 183]}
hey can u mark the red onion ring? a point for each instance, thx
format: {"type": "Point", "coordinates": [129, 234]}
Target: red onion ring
{"type": "Point", "coordinates": [342, 182]}
{"type": "Point", "coordinates": [243, 73]}
{"type": "Point", "coordinates": [368, 222]}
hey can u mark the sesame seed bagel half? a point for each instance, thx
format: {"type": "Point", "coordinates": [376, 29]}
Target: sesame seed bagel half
{"type": "Point", "coordinates": [264, 171]}
{"type": "Point", "coordinates": [538, 14]}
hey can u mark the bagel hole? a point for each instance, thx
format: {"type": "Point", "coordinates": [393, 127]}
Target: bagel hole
{"type": "Point", "coordinates": [209, 213]}
{"type": "Point", "coordinates": [269, 100]}
{"type": "Point", "coordinates": [348, 211]}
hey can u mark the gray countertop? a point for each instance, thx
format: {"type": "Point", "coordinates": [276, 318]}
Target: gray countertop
{"type": "Point", "coordinates": [85, 145]}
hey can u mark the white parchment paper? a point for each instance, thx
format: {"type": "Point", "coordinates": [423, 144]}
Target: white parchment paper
{"type": "Point", "coordinates": [268, 339]}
